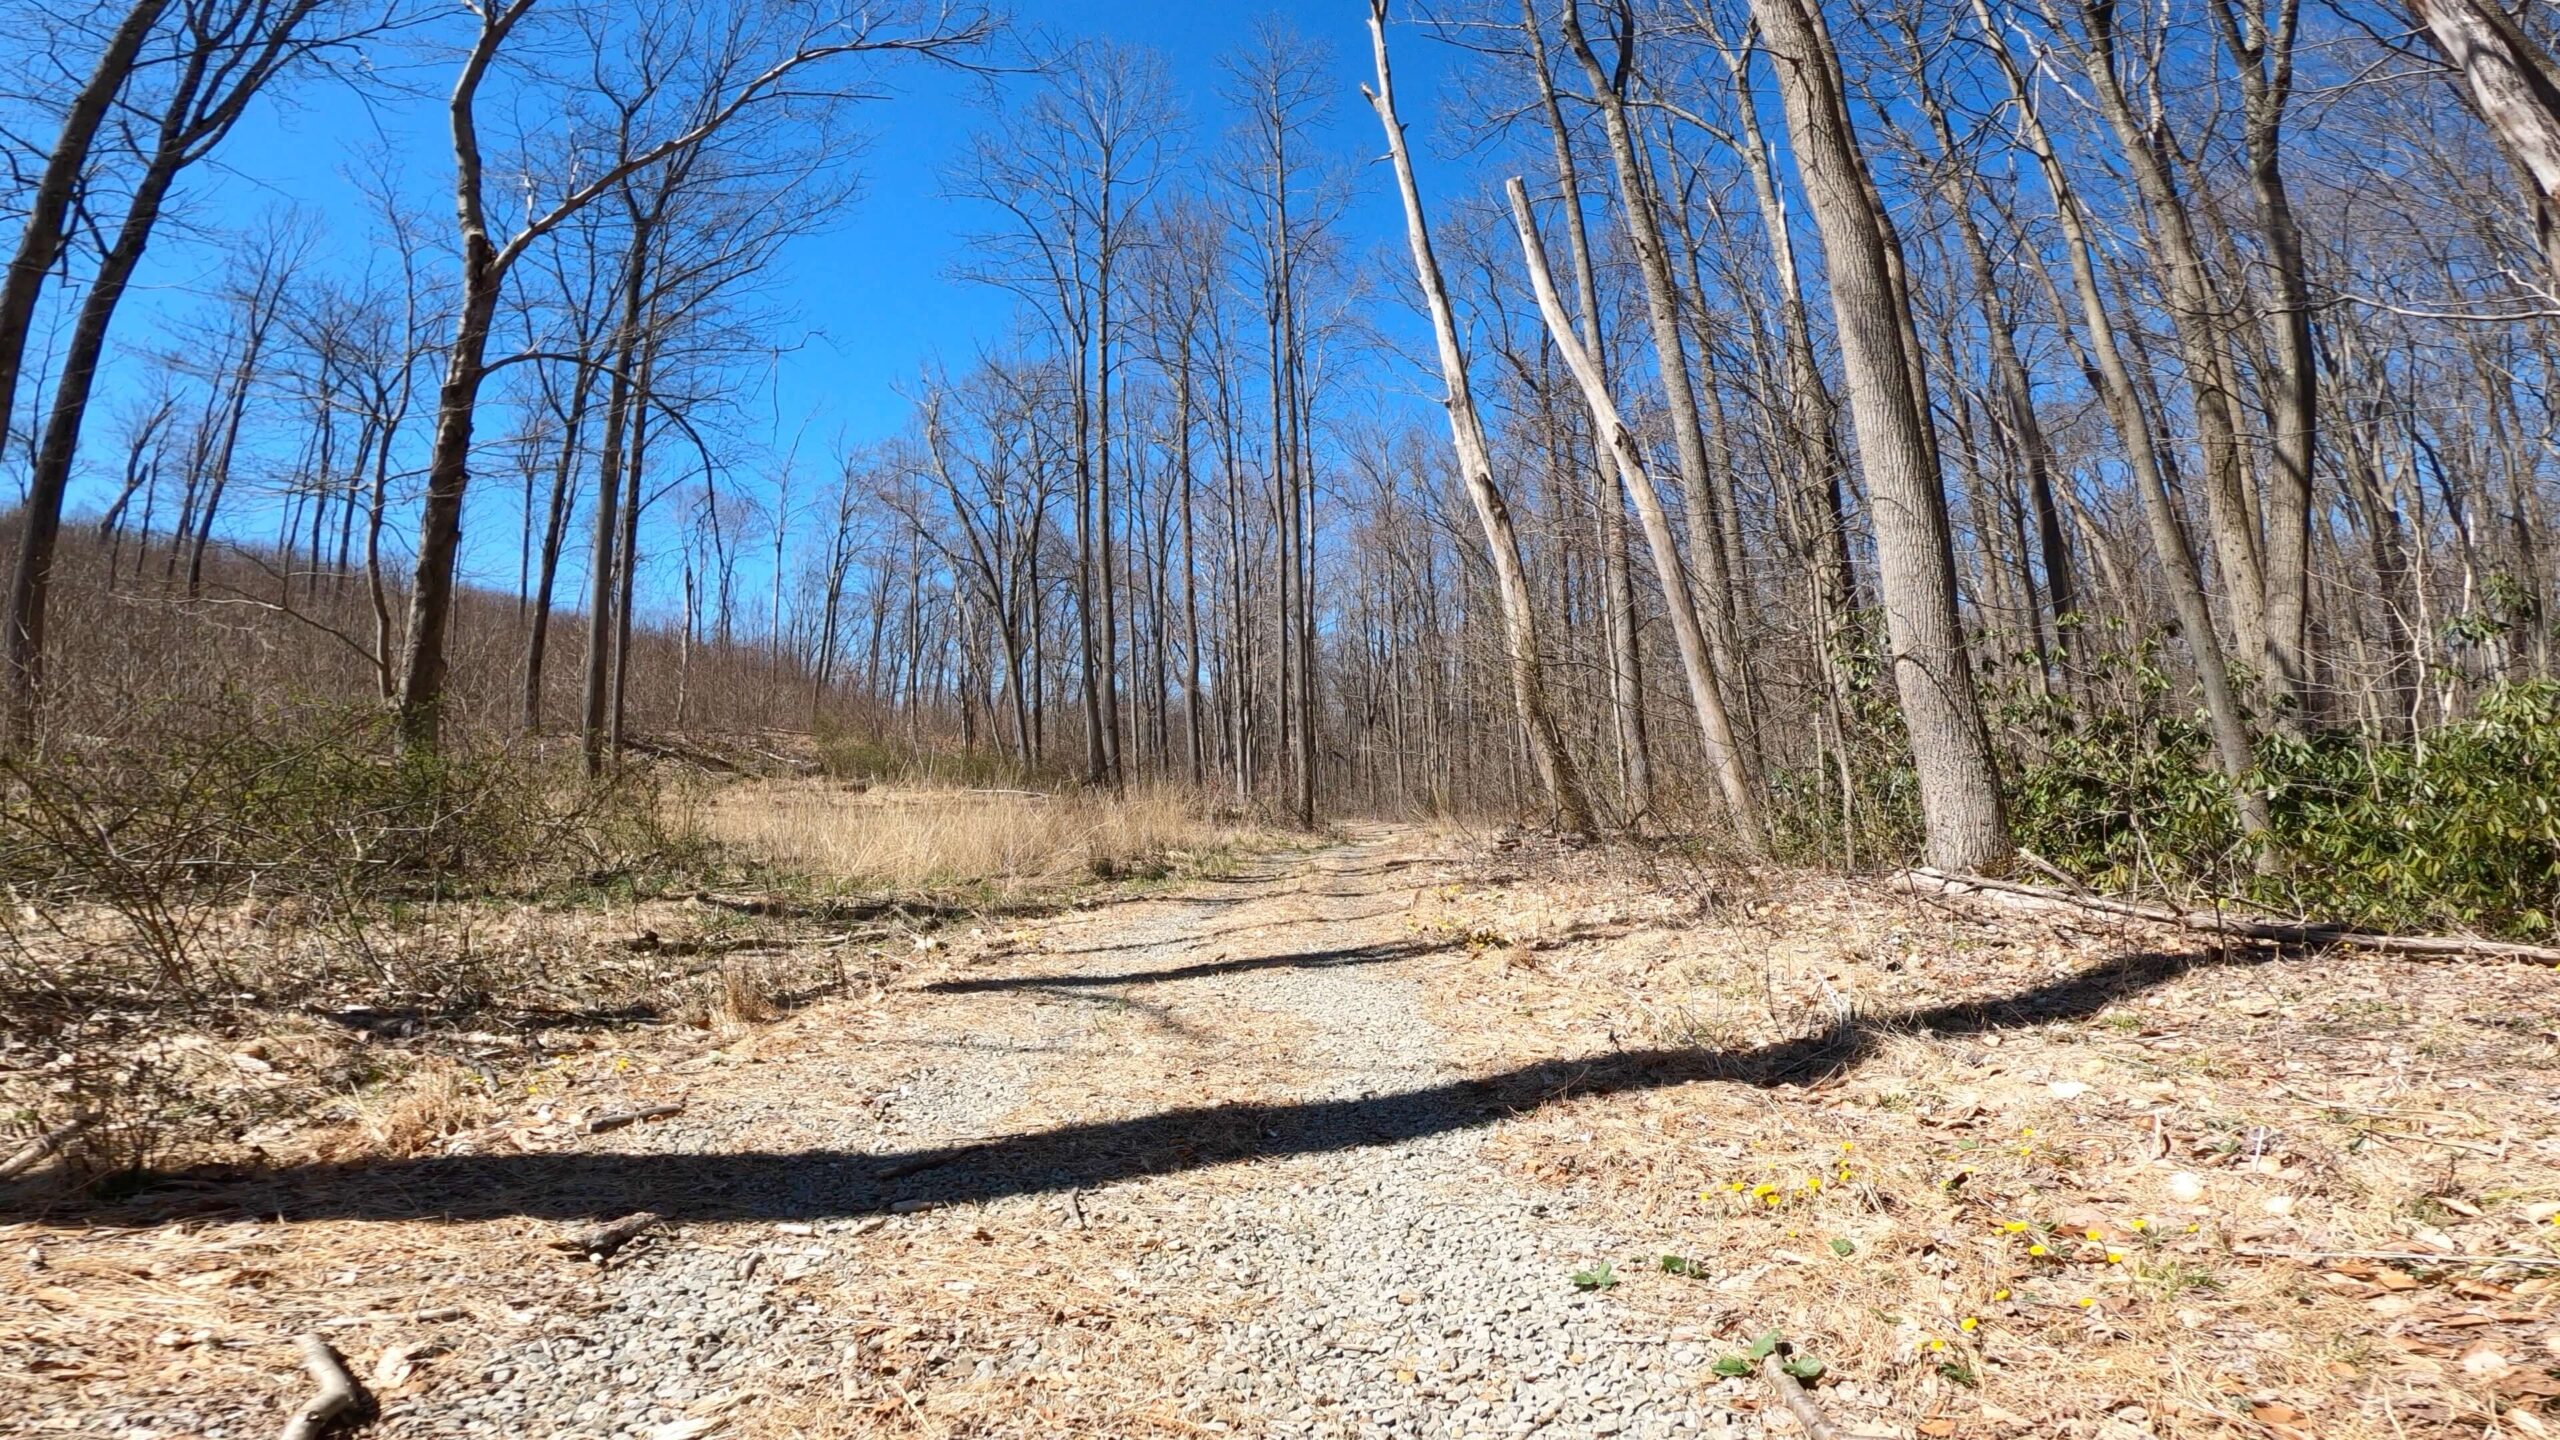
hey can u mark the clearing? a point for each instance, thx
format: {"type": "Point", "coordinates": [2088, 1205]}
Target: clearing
{"type": "Point", "coordinates": [1409, 1136]}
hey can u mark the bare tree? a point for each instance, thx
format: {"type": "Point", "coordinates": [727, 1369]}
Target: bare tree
{"type": "Point", "coordinates": [221, 54]}
{"type": "Point", "coordinates": [750, 54]}
{"type": "Point", "coordinates": [1959, 787]}
{"type": "Point", "coordinates": [1475, 465]}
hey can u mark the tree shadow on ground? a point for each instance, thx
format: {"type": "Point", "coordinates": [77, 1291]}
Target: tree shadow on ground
{"type": "Point", "coordinates": [821, 1184]}
{"type": "Point", "coordinates": [1384, 953]}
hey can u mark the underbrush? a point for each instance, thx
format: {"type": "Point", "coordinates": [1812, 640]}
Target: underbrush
{"type": "Point", "coordinates": [257, 925]}
{"type": "Point", "coordinates": [2458, 829]}
{"type": "Point", "coordinates": [219, 912]}
{"type": "Point", "coordinates": [127, 856]}
{"type": "Point", "coordinates": [869, 757]}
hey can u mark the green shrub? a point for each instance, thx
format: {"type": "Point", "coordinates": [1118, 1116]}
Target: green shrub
{"type": "Point", "coordinates": [2458, 829]}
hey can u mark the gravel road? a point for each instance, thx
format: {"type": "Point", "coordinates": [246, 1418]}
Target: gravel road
{"type": "Point", "coordinates": [1178, 1164]}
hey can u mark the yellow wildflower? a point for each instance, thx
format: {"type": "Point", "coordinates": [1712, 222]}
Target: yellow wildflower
{"type": "Point", "coordinates": [2036, 1250]}
{"type": "Point", "coordinates": [1967, 1324]}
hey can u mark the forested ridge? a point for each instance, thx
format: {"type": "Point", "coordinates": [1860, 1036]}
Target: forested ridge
{"type": "Point", "coordinates": [1879, 431]}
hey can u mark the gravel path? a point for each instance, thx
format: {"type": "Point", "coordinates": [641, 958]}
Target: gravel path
{"type": "Point", "coordinates": [1179, 1164]}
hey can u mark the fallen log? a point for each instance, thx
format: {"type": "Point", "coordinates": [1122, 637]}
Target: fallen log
{"type": "Point", "coordinates": [35, 1152]}
{"type": "Point", "coordinates": [605, 1239]}
{"type": "Point", "coordinates": [2241, 926]}
{"type": "Point", "coordinates": [615, 1120]}
{"type": "Point", "coordinates": [339, 1399]}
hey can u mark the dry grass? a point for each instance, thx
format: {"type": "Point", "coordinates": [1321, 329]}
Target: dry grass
{"type": "Point", "coordinates": [2051, 1221]}
{"type": "Point", "coordinates": [1007, 841]}
{"type": "Point", "coordinates": [437, 1101]}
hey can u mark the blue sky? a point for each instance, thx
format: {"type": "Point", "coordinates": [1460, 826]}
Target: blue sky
{"type": "Point", "coordinates": [872, 296]}
{"type": "Point", "coordinates": [865, 305]}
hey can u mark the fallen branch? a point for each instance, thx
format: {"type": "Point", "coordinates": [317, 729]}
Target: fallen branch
{"type": "Point", "coordinates": [2403, 1257]}
{"type": "Point", "coordinates": [605, 1239]}
{"type": "Point", "coordinates": [50, 1143]}
{"type": "Point", "coordinates": [615, 1120]}
{"type": "Point", "coordinates": [1799, 1402]}
{"type": "Point", "coordinates": [2247, 927]}
{"type": "Point", "coordinates": [339, 1399]}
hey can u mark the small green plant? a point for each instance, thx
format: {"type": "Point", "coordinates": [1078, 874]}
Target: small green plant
{"type": "Point", "coordinates": [1841, 1247]}
{"type": "Point", "coordinates": [1803, 1367]}
{"type": "Point", "coordinates": [1603, 1276]}
{"type": "Point", "coordinates": [1683, 1266]}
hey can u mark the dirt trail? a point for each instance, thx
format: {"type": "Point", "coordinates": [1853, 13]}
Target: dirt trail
{"type": "Point", "coordinates": [1180, 1163]}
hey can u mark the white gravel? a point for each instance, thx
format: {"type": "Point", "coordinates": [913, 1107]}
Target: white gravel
{"type": "Point", "coordinates": [1377, 1289]}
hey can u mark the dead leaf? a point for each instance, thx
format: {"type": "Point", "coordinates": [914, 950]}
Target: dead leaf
{"type": "Point", "coordinates": [396, 1364]}
{"type": "Point", "coordinates": [1937, 1427]}
{"type": "Point", "coordinates": [2484, 1360]}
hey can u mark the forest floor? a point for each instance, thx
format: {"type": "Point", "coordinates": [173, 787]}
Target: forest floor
{"type": "Point", "coordinates": [1411, 1135]}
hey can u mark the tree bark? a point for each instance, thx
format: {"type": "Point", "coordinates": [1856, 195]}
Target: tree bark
{"type": "Point", "coordinates": [1951, 749]}
{"type": "Point", "coordinates": [2516, 90]}
{"type": "Point", "coordinates": [1715, 724]}
{"type": "Point", "coordinates": [1528, 686]}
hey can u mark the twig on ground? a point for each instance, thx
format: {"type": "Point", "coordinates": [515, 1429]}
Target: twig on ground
{"type": "Point", "coordinates": [1922, 880]}
{"type": "Point", "coordinates": [605, 1239]}
{"type": "Point", "coordinates": [338, 1398]}
{"type": "Point", "coordinates": [50, 1143]}
{"type": "Point", "coordinates": [1799, 1403]}
{"type": "Point", "coordinates": [615, 1120]}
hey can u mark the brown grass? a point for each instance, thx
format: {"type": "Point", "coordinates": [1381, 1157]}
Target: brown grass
{"type": "Point", "coordinates": [435, 1102]}
{"type": "Point", "coordinates": [1006, 841]}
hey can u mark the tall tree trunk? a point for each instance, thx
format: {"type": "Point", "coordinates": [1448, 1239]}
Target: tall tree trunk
{"type": "Point", "coordinates": [2196, 313]}
{"type": "Point", "coordinates": [1528, 686]}
{"type": "Point", "coordinates": [1618, 594]}
{"type": "Point", "coordinates": [1951, 749]}
{"type": "Point", "coordinates": [2114, 381]}
{"type": "Point", "coordinates": [611, 453]}
{"type": "Point", "coordinates": [627, 568]}
{"type": "Point", "coordinates": [2263, 52]}
{"type": "Point", "coordinates": [48, 206]}
{"type": "Point", "coordinates": [555, 534]}
{"type": "Point", "coordinates": [31, 576]}
{"type": "Point", "coordinates": [1636, 203]}
{"type": "Point", "coordinates": [1715, 724]}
